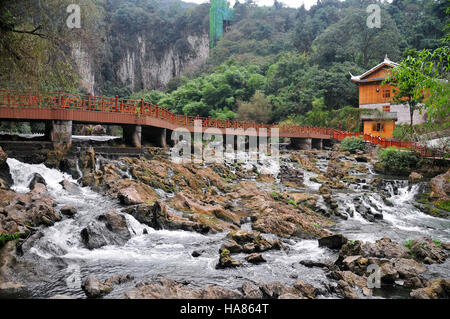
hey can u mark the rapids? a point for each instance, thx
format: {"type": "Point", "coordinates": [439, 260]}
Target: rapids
{"type": "Point", "coordinates": [57, 262]}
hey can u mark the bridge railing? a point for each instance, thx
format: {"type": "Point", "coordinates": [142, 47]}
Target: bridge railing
{"type": "Point", "coordinates": [140, 108]}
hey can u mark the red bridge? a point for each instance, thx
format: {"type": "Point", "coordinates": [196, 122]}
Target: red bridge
{"type": "Point", "coordinates": [145, 121]}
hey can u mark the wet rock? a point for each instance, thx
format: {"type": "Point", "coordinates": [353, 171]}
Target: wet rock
{"type": "Point", "coordinates": [251, 291]}
{"type": "Point", "coordinates": [440, 186]}
{"type": "Point", "coordinates": [349, 277]}
{"type": "Point", "coordinates": [388, 273]}
{"type": "Point", "coordinates": [163, 288]}
{"type": "Point", "coordinates": [196, 253]}
{"type": "Point", "coordinates": [71, 188]}
{"type": "Point", "coordinates": [12, 289]}
{"type": "Point", "coordinates": [94, 287]}
{"type": "Point", "coordinates": [111, 229]}
{"type": "Point", "coordinates": [233, 247]}
{"type": "Point", "coordinates": [243, 237]}
{"type": "Point", "coordinates": [333, 242]}
{"type": "Point", "coordinates": [117, 224]}
{"type": "Point", "coordinates": [427, 251]}
{"type": "Point", "coordinates": [39, 188]}
{"type": "Point", "coordinates": [225, 260]}
{"type": "Point", "coordinates": [291, 177]}
{"type": "Point", "coordinates": [255, 258]}
{"type": "Point", "coordinates": [318, 264]}
{"type": "Point", "coordinates": [274, 290]}
{"type": "Point", "coordinates": [184, 201]}
{"type": "Point", "coordinates": [130, 196]}
{"type": "Point", "coordinates": [306, 289]}
{"type": "Point", "coordinates": [407, 268]}
{"type": "Point", "coordinates": [5, 175]}
{"type": "Point", "coordinates": [68, 211]}
{"type": "Point", "coordinates": [35, 179]}
{"type": "Point", "coordinates": [415, 178]}
{"type": "Point", "coordinates": [118, 279]}
{"type": "Point", "coordinates": [385, 248]}
{"type": "Point", "coordinates": [345, 291]}
{"type": "Point", "coordinates": [435, 289]}
{"type": "Point", "coordinates": [324, 189]}
{"type": "Point", "coordinates": [88, 162]}
{"type": "Point", "coordinates": [156, 216]}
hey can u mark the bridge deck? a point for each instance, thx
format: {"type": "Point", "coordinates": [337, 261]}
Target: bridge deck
{"type": "Point", "coordinates": [41, 106]}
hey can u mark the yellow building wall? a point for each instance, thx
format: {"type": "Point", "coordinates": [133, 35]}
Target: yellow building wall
{"type": "Point", "coordinates": [387, 131]}
{"type": "Point", "coordinates": [368, 93]}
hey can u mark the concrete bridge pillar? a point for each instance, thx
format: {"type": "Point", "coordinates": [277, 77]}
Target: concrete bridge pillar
{"type": "Point", "coordinates": [59, 132]}
{"type": "Point", "coordinates": [317, 143]}
{"type": "Point", "coordinates": [155, 136]}
{"type": "Point", "coordinates": [302, 143]}
{"type": "Point", "coordinates": [132, 135]}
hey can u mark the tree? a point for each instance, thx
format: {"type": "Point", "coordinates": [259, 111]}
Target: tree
{"type": "Point", "coordinates": [257, 110]}
{"type": "Point", "coordinates": [351, 40]}
{"type": "Point", "coordinates": [408, 80]}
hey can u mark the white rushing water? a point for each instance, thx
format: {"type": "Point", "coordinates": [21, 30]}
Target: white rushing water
{"type": "Point", "coordinates": [60, 251]}
{"type": "Point", "coordinates": [60, 257]}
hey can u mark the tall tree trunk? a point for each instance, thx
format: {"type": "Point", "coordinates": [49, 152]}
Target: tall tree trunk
{"type": "Point", "coordinates": [411, 113]}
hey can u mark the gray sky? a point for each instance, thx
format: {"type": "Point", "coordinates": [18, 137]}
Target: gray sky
{"type": "Point", "coordinates": [289, 3]}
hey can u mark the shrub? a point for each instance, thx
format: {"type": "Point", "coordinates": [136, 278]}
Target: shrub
{"type": "Point", "coordinates": [4, 238]}
{"type": "Point", "coordinates": [396, 159]}
{"type": "Point", "coordinates": [353, 144]}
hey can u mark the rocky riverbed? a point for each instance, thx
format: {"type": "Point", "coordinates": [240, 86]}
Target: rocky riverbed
{"type": "Point", "coordinates": [150, 228]}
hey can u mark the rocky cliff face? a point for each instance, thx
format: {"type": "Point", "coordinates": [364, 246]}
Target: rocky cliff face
{"type": "Point", "coordinates": [85, 65]}
{"type": "Point", "coordinates": [139, 67]}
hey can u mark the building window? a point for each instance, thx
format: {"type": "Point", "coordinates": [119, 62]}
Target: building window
{"type": "Point", "coordinates": [378, 127]}
{"type": "Point", "coordinates": [386, 94]}
{"type": "Point", "coordinates": [386, 108]}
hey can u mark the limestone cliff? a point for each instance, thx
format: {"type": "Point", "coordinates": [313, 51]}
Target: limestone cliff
{"type": "Point", "coordinates": [141, 67]}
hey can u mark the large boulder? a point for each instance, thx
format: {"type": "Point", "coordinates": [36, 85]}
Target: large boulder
{"type": "Point", "coordinates": [415, 178]}
{"type": "Point", "coordinates": [435, 289]}
{"type": "Point", "coordinates": [70, 187]}
{"type": "Point", "coordinates": [226, 261]}
{"type": "Point", "coordinates": [94, 287]}
{"type": "Point", "coordinates": [251, 291]}
{"type": "Point", "coordinates": [136, 193]}
{"type": "Point", "coordinates": [255, 258]}
{"type": "Point", "coordinates": [427, 251]}
{"type": "Point", "coordinates": [274, 290]}
{"type": "Point", "coordinates": [109, 229]}
{"type": "Point", "coordinates": [156, 216]}
{"type": "Point", "coordinates": [440, 186]}
{"type": "Point", "coordinates": [5, 174]}
{"type": "Point", "coordinates": [36, 179]}
{"type": "Point", "coordinates": [251, 238]}
{"type": "Point", "coordinates": [333, 241]}
{"type": "Point", "coordinates": [163, 288]}
{"type": "Point", "coordinates": [69, 211]}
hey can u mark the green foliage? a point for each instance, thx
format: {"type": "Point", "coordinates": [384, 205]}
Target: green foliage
{"type": "Point", "coordinates": [353, 144]}
{"type": "Point", "coordinates": [443, 204]}
{"type": "Point", "coordinates": [293, 203]}
{"type": "Point", "coordinates": [408, 243]}
{"type": "Point", "coordinates": [437, 243]}
{"type": "Point", "coordinates": [395, 159]}
{"type": "Point", "coordinates": [4, 238]}
{"type": "Point", "coordinates": [258, 109]}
